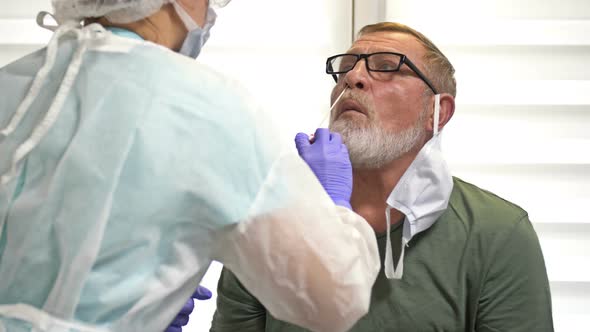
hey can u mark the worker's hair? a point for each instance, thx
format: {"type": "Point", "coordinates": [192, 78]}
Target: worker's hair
{"type": "Point", "coordinates": [438, 68]}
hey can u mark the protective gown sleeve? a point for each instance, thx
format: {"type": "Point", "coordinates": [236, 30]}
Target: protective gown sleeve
{"type": "Point", "coordinates": [309, 262]}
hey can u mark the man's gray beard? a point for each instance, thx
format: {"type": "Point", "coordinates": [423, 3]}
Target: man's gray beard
{"type": "Point", "coordinates": [373, 147]}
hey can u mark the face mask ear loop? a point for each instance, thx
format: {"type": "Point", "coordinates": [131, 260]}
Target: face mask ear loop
{"type": "Point", "coordinates": [388, 261]}
{"type": "Point", "coordinates": [390, 271]}
{"type": "Point", "coordinates": [188, 21]}
{"type": "Point", "coordinates": [436, 113]}
{"type": "Point", "coordinates": [52, 114]}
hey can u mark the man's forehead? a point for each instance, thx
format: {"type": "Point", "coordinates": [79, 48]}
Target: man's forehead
{"type": "Point", "coordinates": [387, 41]}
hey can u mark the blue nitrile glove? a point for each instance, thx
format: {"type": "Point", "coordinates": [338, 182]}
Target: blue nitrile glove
{"type": "Point", "coordinates": [181, 319]}
{"type": "Point", "coordinates": [328, 158]}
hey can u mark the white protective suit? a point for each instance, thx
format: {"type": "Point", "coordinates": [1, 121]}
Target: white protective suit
{"type": "Point", "coordinates": [154, 166]}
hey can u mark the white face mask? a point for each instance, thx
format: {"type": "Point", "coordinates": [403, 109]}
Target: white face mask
{"type": "Point", "coordinates": [422, 195]}
{"type": "Point", "coordinates": [197, 36]}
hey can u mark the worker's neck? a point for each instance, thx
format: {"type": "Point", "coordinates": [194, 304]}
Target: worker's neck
{"type": "Point", "coordinates": [372, 187]}
{"type": "Point", "coordinates": [164, 27]}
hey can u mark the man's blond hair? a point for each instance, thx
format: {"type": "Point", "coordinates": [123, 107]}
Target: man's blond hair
{"type": "Point", "coordinates": [438, 68]}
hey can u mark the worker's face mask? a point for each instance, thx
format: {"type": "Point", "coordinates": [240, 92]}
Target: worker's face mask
{"type": "Point", "coordinates": [197, 36]}
{"type": "Point", "coordinates": [422, 195]}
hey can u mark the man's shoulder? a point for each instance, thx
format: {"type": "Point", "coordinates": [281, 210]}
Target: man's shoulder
{"type": "Point", "coordinates": [480, 209]}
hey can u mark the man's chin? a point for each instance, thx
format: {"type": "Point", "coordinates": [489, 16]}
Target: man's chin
{"type": "Point", "coordinates": [372, 148]}
{"type": "Point", "coordinates": [346, 126]}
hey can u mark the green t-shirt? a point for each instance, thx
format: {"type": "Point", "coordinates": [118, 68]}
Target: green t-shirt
{"type": "Point", "coordinates": [478, 268]}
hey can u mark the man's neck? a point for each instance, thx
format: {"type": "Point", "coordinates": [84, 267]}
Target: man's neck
{"type": "Point", "coordinates": [372, 187]}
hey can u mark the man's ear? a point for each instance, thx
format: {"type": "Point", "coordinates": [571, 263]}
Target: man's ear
{"type": "Point", "coordinates": [447, 109]}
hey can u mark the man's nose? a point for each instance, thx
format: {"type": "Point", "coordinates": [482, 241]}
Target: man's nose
{"type": "Point", "coordinates": [358, 76]}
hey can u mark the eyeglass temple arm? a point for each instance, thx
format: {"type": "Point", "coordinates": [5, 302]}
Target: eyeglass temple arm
{"type": "Point", "coordinates": [419, 73]}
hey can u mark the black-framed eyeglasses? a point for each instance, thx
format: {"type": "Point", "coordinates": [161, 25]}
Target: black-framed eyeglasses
{"type": "Point", "coordinates": [381, 64]}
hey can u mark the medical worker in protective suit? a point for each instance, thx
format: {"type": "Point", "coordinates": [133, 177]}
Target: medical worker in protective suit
{"type": "Point", "coordinates": [126, 168]}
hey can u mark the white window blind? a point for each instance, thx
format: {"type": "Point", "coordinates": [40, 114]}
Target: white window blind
{"type": "Point", "coordinates": [521, 125]}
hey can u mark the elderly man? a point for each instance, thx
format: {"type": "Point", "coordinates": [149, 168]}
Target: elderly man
{"type": "Point", "coordinates": [456, 257]}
